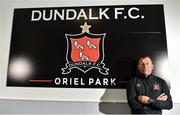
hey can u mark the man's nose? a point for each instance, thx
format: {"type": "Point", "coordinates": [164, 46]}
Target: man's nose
{"type": "Point", "coordinates": [144, 65]}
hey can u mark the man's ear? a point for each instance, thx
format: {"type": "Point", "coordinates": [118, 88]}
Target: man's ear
{"type": "Point", "coordinates": [152, 66]}
{"type": "Point", "coordinates": [138, 66]}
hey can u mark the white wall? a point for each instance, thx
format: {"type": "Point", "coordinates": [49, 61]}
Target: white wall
{"type": "Point", "coordinates": [172, 17]}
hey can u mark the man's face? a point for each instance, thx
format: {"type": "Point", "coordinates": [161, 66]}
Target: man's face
{"type": "Point", "coordinates": [145, 66]}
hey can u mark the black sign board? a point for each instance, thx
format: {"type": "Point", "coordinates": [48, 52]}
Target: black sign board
{"type": "Point", "coordinates": [83, 47]}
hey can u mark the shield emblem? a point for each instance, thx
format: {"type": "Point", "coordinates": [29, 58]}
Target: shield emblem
{"type": "Point", "coordinates": [85, 49]}
{"type": "Point", "coordinates": [84, 52]}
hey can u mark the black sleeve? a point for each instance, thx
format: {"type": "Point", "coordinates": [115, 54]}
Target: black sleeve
{"type": "Point", "coordinates": [132, 96]}
{"type": "Point", "coordinates": [168, 104]}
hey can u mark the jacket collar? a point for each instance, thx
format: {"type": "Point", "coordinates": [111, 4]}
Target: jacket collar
{"type": "Point", "coordinates": [145, 77]}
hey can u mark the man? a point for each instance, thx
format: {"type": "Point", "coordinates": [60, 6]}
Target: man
{"type": "Point", "coordinates": [146, 93]}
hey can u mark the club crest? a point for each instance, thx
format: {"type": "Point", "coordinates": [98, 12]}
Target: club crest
{"type": "Point", "coordinates": [85, 51]}
{"type": "Point", "coordinates": [156, 86]}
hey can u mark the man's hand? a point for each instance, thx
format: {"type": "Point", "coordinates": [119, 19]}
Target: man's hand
{"type": "Point", "coordinates": [144, 99]}
{"type": "Point", "coordinates": [162, 97]}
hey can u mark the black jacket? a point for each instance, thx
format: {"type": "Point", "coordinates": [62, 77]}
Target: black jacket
{"type": "Point", "coordinates": [152, 86]}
